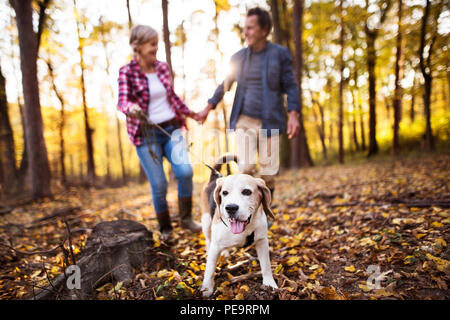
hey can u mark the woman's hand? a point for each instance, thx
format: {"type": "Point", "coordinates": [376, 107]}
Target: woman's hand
{"type": "Point", "coordinates": [136, 112]}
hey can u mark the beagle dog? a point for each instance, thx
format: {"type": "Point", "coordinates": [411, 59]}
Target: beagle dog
{"type": "Point", "coordinates": [234, 209]}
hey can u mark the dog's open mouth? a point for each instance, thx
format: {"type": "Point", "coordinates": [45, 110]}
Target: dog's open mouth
{"type": "Point", "coordinates": [238, 226]}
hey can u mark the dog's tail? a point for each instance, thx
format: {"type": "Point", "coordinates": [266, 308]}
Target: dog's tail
{"type": "Point", "coordinates": [215, 168]}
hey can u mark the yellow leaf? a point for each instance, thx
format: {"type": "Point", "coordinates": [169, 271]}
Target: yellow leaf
{"type": "Point", "coordinates": [102, 288]}
{"type": "Point", "coordinates": [409, 260]}
{"type": "Point", "coordinates": [193, 275]}
{"type": "Point", "coordinates": [286, 217]}
{"type": "Point", "coordinates": [285, 240]}
{"type": "Point", "coordinates": [118, 286]}
{"type": "Point", "coordinates": [239, 296]}
{"type": "Point", "coordinates": [364, 287]}
{"type": "Point", "coordinates": [437, 224]}
{"type": "Point", "coordinates": [245, 287]}
{"type": "Point", "coordinates": [367, 242]}
{"type": "Point", "coordinates": [441, 264]}
{"type": "Point", "coordinates": [440, 242]}
{"type": "Point", "coordinates": [420, 235]}
{"type": "Point", "coordinates": [194, 266]}
{"type": "Point", "coordinates": [292, 260]}
{"type": "Point", "coordinates": [278, 269]}
{"type": "Point", "coordinates": [185, 287]}
{"type": "Point", "coordinates": [350, 268]}
{"type": "Point", "coordinates": [163, 273]}
{"type": "Point", "coordinates": [382, 292]}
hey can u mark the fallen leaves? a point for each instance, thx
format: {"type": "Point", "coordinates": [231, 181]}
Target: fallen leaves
{"type": "Point", "coordinates": [318, 250]}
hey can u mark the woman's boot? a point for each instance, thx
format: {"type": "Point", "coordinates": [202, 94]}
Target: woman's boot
{"type": "Point", "coordinates": [185, 211]}
{"type": "Point", "coordinates": [164, 225]}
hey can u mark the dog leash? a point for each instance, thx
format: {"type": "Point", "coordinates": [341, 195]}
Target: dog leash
{"type": "Point", "coordinates": [145, 128]}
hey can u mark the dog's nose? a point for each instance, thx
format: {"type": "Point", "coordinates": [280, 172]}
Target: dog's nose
{"type": "Point", "coordinates": [231, 208]}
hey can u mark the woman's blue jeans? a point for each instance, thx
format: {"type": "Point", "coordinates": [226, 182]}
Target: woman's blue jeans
{"type": "Point", "coordinates": [174, 149]}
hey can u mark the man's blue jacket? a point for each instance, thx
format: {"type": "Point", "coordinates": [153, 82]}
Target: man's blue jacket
{"type": "Point", "coordinates": [277, 78]}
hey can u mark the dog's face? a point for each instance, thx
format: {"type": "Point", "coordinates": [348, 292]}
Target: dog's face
{"type": "Point", "coordinates": [238, 198]}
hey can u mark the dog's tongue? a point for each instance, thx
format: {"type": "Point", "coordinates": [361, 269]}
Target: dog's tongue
{"type": "Point", "coordinates": [237, 226]}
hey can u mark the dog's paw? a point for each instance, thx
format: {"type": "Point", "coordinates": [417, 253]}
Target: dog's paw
{"type": "Point", "coordinates": [225, 253]}
{"type": "Point", "coordinates": [270, 283]}
{"type": "Point", "coordinates": [207, 291]}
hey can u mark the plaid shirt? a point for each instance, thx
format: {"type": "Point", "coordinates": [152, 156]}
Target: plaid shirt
{"type": "Point", "coordinates": [134, 89]}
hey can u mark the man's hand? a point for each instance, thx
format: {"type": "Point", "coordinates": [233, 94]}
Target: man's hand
{"type": "Point", "coordinates": [293, 126]}
{"type": "Point", "coordinates": [195, 116]}
{"type": "Point", "coordinates": [202, 115]}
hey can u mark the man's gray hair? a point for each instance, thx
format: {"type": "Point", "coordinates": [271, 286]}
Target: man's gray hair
{"type": "Point", "coordinates": [140, 34]}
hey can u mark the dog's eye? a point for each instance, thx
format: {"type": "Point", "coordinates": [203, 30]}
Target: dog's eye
{"type": "Point", "coordinates": [246, 192]}
{"type": "Point", "coordinates": [224, 192]}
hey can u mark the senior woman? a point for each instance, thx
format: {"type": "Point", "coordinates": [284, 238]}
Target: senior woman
{"type": "Point", "coordinates": [146, 95]}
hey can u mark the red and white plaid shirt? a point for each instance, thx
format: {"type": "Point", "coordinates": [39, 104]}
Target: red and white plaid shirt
{"type": "Point", "coordinates": [134, 89]}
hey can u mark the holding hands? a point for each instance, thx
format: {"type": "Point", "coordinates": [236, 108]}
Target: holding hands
{"type": "Point", "coordinates": [202, 115]}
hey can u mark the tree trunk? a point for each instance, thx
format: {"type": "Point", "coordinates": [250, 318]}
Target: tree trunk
{"type": "Point", "coordinates": [354, 120]}
{"type": "Point", "coordinates": [118, 126]}
{"type": "Point", "coordinates": [130, 21]}
{"type": "Point", "coordinates": [362, 126]}
{"type": "Point", "coordinates": [113, 251]}
{"type": "Point", "coordinates": [371, 36]}
{"type": "Point", "coordinates": [91, 176]}
{"type": "Point", "coordinates": [286, 26]}
{"type": "Point", "coordinates": [428, 142]}
{"type": "Point", "coordinates": [62, 149]}
{"type": "Point", "coordinates": [341, 86]}
{"type": "Point", "coordinates": [397, 104]}
{"type": "Point", "coordinates": [300, 156]}
{"type": "Point", "coordinates": [36, 148]}
{"type": "Point", "coordinates": [279, 35]}
{"type": "Point", "coordinates": [320, 128]}
{"type": "Point", "coordinates": [166, 35]}
{"type": "Point", "coordinates": [373, 145]}
{"type": "Point", "coordinates": [7, 149]}
{"type": "Point", "coordinates": [277, 29]}
{"type": "Point", "coordinates": [108, 162]}
{"type": "Point", "coordinates": [412, 112]}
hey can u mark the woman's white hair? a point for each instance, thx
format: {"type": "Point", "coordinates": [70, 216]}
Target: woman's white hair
{"type": "Point", "coordinates": [141, 34]}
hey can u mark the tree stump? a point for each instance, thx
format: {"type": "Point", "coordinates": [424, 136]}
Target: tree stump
{"type": "Point", "coordinates": [112, 251]}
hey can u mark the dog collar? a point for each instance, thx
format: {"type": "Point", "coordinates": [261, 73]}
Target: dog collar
{"type": "Point", "coordinates": [224, 222]}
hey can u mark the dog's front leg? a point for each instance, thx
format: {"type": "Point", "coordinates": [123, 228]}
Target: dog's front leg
{"type": "Point", "coordinates": [211, 261]}
{"type": "Point", "coordinates": [262, 249]}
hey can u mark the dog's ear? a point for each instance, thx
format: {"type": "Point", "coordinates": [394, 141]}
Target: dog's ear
{"type": "Point", "coordinates": [266, 197]}
{"type": "Point", "coordinates": [217, 196]}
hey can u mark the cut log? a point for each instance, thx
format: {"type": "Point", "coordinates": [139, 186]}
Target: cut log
{"type": "Point", "coordinates": [112, 251]}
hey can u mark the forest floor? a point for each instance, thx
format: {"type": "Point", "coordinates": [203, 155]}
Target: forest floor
{"type": "Point", "coordinates": [376, 230]}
